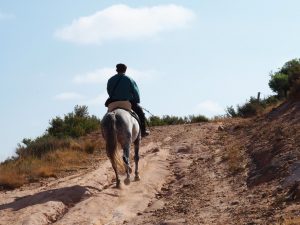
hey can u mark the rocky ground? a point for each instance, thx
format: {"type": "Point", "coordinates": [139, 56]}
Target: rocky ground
{"type": "Point", "coordinates": [227, 172]}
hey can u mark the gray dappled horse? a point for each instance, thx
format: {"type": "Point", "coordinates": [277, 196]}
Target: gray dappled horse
{"type": "Point", "coordinates": [120, 126]}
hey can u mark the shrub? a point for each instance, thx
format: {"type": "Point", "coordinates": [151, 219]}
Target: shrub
{"type": "Point", "coordinates": [287, 80]}
{"type": "Point", "coordinates": [155, 121]}
{"type": "Point", "coordinates": [295, 89]}
{"type": "Point", "coordinates": [252, 107]}
{"type": "Point", "coordinates": [173, 120]}
{"type": "Point", "coordinates": [230, 111]}
{"type": "Point", "coordinates": [198, 119]}
{"type": "Point", "coordinates": [89, 147]}
{"type": "Point", "coordinates": [279, 83]}
{"type": "Point", "coordinates": [74, 124]}
{"type": "Point", "coordinates": [166, 120]}
{"type": "Point", "coordinates": [41, 145]}
{"type": "Point", "coordinates": [271, 100]}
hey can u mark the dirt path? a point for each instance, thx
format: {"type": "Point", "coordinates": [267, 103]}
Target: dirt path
{"type": "Point", "coordinates": [199, 191]}
{"type": "Point", "coordinates": [184, 180]}
{"type": "Point", "coordinates": [87, 198]}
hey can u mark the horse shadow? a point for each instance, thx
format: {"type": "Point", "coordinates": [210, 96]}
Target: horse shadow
{"type": "Point", "coordinates": [67, 195]}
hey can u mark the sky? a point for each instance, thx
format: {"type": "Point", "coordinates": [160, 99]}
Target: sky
{"type": "Point", "coordinates": [187, 57]}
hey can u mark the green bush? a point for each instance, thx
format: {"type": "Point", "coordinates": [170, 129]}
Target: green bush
{"type": "Point", "coordinates": [173, 120]}
{"type": "Point", "coordinates": [286, 81]}
{"type": "Point", "coordinates": [74, 124]}
{"type": "Point", "coordinates": [295, 90]}
{"type": "Point", "coordinates": [279, 83]}
{"type": "Point", "coordinates": [155, 121]}
{"type": "Point", "coordinates": [60, 133]}
{"type": "Point", "coordinates": [198, 119]}
{"type": "Point", "coordinates": [271, 100]}
{"type": "Point", "coordinates": [230, 112]}
{"type": "Point", "coordinates": [252, 107]}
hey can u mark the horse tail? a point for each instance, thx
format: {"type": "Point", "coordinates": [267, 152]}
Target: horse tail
{"type": "Point", "coordinates": [112, 142]}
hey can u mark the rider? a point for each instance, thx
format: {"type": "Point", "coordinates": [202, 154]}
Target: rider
{"type": "Point", "coordinates": [123, 88]}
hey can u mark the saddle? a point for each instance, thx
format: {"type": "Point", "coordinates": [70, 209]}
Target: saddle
{"type": "Point", "coordinates": [126, 105]}
{"type": "Point", "coordinates": [119, 104]}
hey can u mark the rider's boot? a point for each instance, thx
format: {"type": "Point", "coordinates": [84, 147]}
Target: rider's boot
{"type": "Point", "coordinates": [139, 111]}
{"type": "Point", "coordinates": [144, 132]}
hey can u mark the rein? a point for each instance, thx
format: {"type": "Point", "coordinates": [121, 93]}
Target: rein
{"type": "Point", "coordinates": [147, 111]}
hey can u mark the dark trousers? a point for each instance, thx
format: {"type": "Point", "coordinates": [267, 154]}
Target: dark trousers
{"type": "Point", "coordinates": [139, 111]}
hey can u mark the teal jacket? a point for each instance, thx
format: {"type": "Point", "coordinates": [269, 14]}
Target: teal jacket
{"type": "Point", "coordinates": [125, 89]}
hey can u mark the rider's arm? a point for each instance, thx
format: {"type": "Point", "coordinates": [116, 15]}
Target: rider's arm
{"type": "Point", "coordinates": [135, 91]}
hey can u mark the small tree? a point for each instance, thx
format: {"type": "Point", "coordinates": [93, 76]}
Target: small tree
{"type": "Point", "coordinates": [292, 69]}
{"type": "Point", "coordinates": [287, 80]}
{"type": "Point", "coordinates": [279, 83]}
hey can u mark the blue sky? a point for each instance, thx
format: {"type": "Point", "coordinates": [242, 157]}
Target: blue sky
{"type": "Point", "coordinates": [188, 57]}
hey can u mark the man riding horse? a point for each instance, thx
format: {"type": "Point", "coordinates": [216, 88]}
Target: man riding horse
{"type": "Point", "coordinates": [124, 93]}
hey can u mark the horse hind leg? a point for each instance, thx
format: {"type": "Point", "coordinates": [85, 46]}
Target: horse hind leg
{"type": "Point", "coordinates": [126, 150]}
{"type": "Point", "coordinates": [136, 160]}
{"type": "Point", "coordinates": [118, 182]}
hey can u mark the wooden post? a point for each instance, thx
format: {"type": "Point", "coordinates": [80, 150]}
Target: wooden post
{"type": "Point", "coordinates": [258, 96]}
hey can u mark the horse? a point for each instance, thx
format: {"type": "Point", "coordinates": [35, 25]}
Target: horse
{"type": "Point", "coordinates": [119, 126]}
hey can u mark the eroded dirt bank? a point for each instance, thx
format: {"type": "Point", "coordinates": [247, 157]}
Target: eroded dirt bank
{"type": "Point", "coordinates": [190, 174]}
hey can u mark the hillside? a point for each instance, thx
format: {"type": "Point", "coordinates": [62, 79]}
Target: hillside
{"type": "Point", "coordinates": [236, 171]}
{"type": "Point", "coordinates": [244, 172]}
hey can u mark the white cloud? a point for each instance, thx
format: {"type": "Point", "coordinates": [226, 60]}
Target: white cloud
{"type": "Point", "coordinates": [6, 16]}
{"type": "Point", "coordinates": [123, 22]}
{"type": "Point", "coordinates": [82, 100]}
{"type": "Point", "coordinates": [98, 100]}
{"type": "Point", "coordinates": [102, 75]}
{"type": "Point", "coordinates": [94, 77]}
{"type": "Point", "coordinates": [67, 96]}
{"type": "Point", "coordinates": [209, 108]}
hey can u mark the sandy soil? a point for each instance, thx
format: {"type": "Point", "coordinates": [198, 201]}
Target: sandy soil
{"type": "Point", "coordinates": [184, 180]}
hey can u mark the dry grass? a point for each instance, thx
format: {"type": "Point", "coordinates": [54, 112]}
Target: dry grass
{"type": "Point", "coordinates": [10, 179]}
{"type": "Point", "coordinates": [17, 172]}
{"type": "Point", "coordinates": [269, 108]}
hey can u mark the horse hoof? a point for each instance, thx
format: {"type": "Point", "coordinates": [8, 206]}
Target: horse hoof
{"type": "Point", "coordinates": [127, 181]}
{"type": "Point", "coordinates": [118, 184]}
{"type": "Point", "coordinates": [137, 178]}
